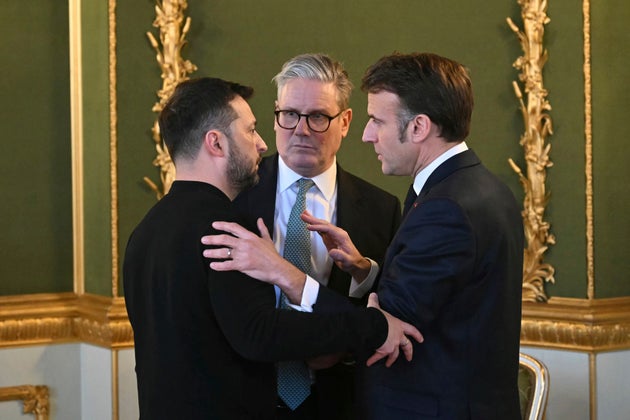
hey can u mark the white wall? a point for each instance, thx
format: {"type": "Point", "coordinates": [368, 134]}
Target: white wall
{"type": "Point", "coordinates": [127, 390]}
{"type": "Point", "coordinates": [569, 384]}
{"type": "Point", "coordinates": [79, 377]}
{"type": "Point", "coordinates": [55, 366]}
{"type": "Point", "coordinates": [613, 385]}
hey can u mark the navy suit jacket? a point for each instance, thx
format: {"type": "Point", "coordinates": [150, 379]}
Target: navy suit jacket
{"type": "Point", "coordinates": [205, 341]}
{"type": "Point", "coordinates": [371, 217]}
{"type": "Point", "coordinates": [454, 270]}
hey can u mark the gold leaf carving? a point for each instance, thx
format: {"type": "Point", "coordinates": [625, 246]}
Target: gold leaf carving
{"type": "Point", "coordinates": [534, 109]}
{"type": "Point", "coordinates": [34, 397]}
{"type": "Point", "coordinates": [173, 29]}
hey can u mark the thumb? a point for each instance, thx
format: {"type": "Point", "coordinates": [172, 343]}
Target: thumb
{"type": "Point", "coordinates": [264, 232]}
{"type": "Point", "coordinates": [373, 301]}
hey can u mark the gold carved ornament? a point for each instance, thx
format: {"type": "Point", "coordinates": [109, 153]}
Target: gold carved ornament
{"type": "Point", "coordinates": [537, 127]}
{"type": "Point", "coordinates": [35, 398]}
{"type": "Point", "coordinates": [173, 29]}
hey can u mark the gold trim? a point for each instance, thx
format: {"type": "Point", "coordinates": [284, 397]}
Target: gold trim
{"type": "Point", "coordinates": [35, 399]}
{"type": "Point", "coordinates": [537, 127]}
{"type": "Point", "coordinates": [596, 325]}
{"type": "Point", "coordinates": [592, 385]}
{"type": "Point", "coordinates": [577, 324]}
{"type": "Point", "coordinates": [115, 403]}
{"type": "Point", "coordinates": [169, 19]}
{"type": "Point", "coordinates": [76, 123]}
{"type": "Point", "coordinates": [64, 317]}
{"type": "Point", "coordinates": [113, 143]}
{"type": "Point", "coordinates": [588, 132]}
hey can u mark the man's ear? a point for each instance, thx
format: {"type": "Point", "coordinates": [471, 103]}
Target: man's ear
{"type": "Point", "coordinates": [420, 127]}
{"type": "Point", "coordinates": [214, 143]}
{"type": "Point", "coordinates": [346, 117]}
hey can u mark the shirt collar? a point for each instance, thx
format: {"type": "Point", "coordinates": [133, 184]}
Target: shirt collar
{"type": "Point", "coordinates": [325, 181]}
{"type": "Point", "coordinates": [424, 174]}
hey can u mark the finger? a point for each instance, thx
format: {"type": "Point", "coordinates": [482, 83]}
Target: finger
{"type": "Point", "coordinates": [373, 301]}
{"type": "Point", "coordinates": [218, 253]}
{"type": "Point", "coordinates": [262, 228]}
{"type": "Point", "coordinates": [227, 265]}
{"type": "Point", "coordinates": [231, 227]}
{"type": "Point", "coordinates": [392, 357]}
{"type": "Point", "coordinates": [221, 240]}
{"type": "Point", "coordinates": [409, 329]}
{"type": "Point", "coordinates": [408, 351]}
{"type": "Point", "coordinates": [375, 358]}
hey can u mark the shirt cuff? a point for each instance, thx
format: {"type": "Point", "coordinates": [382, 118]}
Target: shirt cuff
{"type": "Point", "coordinates": [358, 290]}
{"type": "Point", "coordinates": [309, 295]}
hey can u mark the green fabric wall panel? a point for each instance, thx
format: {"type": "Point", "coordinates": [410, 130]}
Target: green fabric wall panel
{"type": "Point", "coordinates": [36, 216]}
{"type": "Point", "coordinates": [96, 149]}
{"type": "Point", "coordinates": [611, 133]}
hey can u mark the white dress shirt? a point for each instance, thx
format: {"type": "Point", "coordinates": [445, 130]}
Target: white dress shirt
{"type": "Point", "coordinates": [423, 175]}
{"type": "Point", "coordinates": [321, 202]}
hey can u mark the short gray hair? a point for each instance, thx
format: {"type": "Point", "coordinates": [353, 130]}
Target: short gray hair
{"type": "Point", "coordinates": [317, 67]}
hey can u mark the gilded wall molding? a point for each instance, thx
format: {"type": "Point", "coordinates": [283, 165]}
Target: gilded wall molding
{"type": "Point", "coordinates": [173, 29]}
{"type": "Point", "coordinates": [588, 134]}
{"type": "Point", "coordinates": [591, 325]}
{"type": "Point", "coordinates": [534, 108]}
{"type": "Point", "coordinates": [76, 141]}
{"type": "Point", "coordinates": [113, 142]}
{"type": "Point", "coordinates": [64, 317]}
{"type": "Point", "coordinates": [34, 397]}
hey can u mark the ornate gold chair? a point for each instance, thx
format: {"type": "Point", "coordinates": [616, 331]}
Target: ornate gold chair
{"type": "Point", "coordinates": [533, 387]}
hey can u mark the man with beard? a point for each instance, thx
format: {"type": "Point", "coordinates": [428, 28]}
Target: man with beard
{"type": "Point", "coordinates": [205, 340]}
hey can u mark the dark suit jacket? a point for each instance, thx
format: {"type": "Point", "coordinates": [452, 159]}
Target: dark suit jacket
{"type": "Point", "coordinates": [454, 270]}
{"type": "Point", "coordinates": [205, 341]}
{"type": "Point", "coordinates": [371, 217]}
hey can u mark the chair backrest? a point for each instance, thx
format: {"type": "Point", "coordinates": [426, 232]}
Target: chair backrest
{"type": "Point", "coordinates": [533, 386]}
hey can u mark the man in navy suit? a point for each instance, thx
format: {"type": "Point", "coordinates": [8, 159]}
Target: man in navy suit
{"type": "Point", "coordinates": [312, 117]}
{"type": "Point", "coordinates": [454, 268]}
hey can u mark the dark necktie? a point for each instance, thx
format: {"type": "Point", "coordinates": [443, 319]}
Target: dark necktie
{"type": "Point", "coordinates": [409, 200]}
{"type": "Point", "coordinates": [294, 381]}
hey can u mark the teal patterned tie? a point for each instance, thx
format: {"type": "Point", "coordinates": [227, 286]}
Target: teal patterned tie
{"type": "Point", "coordinates": [294, 381]}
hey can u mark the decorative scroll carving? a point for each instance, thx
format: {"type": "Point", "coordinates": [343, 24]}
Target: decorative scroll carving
{"type": "Point", "coordinates": [537, 127]}
{"type": "Point", "coordinates": [35, 398]}
{"type": "Point", "coordinates": [169, 19]}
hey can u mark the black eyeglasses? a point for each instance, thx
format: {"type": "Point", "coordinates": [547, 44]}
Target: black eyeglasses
{"type": "Point", "coordinates": [317, 122]}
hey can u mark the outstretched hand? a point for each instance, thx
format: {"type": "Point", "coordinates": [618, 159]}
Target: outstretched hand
{"type": "Point", "coordinates": [396, 337]}
{"type": "Point", "coordinates": [340, 247]}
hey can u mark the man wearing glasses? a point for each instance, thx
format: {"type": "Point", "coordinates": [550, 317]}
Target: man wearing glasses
{"type": "Point", "coordinates": [312, 117]}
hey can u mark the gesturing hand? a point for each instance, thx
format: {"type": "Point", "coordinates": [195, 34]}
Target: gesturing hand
{"type": "Point", "coordinates": [396, 337]}
{"type": "Point", "coordinates": [340, 247]}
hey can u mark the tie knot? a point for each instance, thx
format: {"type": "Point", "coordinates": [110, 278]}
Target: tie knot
{"type": "Point", "coordinates": [304, 184]}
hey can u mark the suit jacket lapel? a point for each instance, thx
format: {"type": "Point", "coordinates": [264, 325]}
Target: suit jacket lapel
{"type": "Point", "coordinates": [461, 160]}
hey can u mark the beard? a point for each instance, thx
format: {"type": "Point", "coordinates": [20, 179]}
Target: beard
{"type": "Point", "coordinates": [241, 171]}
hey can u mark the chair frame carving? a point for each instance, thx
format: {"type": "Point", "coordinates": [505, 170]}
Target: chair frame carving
{"type": "Point", "coordinates": [538, 401]}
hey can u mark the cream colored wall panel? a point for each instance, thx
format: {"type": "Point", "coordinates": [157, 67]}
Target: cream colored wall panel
{"type": "Point", "coordinates": [568, 383]}
{"type": "Point", "coordinates": [54, 366]}
{"type": "Point", "coordinates": [127, 385]}
{"type": "Point", "coordinates": [96, 382]}
{"type": "Point", "coordinates": [613, 385]}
